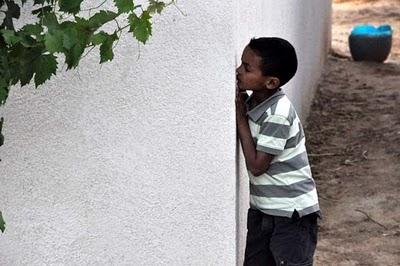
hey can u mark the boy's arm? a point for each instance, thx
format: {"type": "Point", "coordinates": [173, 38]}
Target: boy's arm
{"type": "Point", "coordinates": [257, 162]}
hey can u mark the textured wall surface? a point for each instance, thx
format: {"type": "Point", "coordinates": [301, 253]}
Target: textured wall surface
{"type": "Point", "coordinates": [306, 24]}
{"type": "Point", "coordinates": [130, 163]}
{"type": "Point", "coordinates": [134, 162]}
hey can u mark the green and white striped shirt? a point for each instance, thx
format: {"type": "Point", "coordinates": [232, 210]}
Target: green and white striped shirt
{"type": "Point", "coordinates": [287, 185]}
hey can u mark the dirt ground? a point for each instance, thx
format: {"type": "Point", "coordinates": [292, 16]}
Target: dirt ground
{"type": "Point", "coordinates": [353, 135]}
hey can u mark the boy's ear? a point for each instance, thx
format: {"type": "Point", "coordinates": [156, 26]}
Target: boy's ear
{"type": "Point", "coordinates": [272, 83]}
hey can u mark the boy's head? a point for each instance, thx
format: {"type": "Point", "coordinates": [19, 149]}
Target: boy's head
{"type": "Point", "coordinates": [267, 63]}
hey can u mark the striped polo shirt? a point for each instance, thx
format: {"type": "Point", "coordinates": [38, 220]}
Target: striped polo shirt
{"type": "Point", "coordinates": [287, 185]}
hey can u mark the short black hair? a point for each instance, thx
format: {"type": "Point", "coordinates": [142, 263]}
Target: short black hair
{"type": "Point", "coordinates": [278, 57]}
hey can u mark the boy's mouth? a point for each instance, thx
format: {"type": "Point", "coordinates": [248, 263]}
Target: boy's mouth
{"type": "Point", "coordinates": [238, 85]}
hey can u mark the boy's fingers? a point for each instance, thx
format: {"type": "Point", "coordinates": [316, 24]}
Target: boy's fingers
{"type": "Point", "coordinates": [241, 97]}
{"type": "Point", "coordinates": [238, 98]}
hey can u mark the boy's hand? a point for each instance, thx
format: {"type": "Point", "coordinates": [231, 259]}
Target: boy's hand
{"type": "Point", "coordinates": [241, 109]}
{"type": "Point", "coordinates": [257, 162]}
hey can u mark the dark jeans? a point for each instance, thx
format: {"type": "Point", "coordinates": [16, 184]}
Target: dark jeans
{"type": "Point", "coordinates": [274, 240]}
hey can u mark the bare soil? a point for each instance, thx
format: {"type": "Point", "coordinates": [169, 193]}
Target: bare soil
{"type": "Point", "coordinates": [353, 135]}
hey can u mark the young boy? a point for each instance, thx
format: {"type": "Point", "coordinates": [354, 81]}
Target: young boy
{"type": "Point", "coordinates": [282, 219]}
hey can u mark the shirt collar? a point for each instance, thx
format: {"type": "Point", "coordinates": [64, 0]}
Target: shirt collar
{"type": "Point", "coordinates": [260, 109]}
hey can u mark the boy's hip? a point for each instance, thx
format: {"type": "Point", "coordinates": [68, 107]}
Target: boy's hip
{"type": "Point", "coordinates": [289, 240]}
{"type": "Point", "coordinates": [268, 223]}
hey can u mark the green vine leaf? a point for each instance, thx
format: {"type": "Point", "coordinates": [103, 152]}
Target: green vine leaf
{"type": "Point", "coordinates": [124, 6]}
{"type": "Point", "coordinates": [140, 26]}
{"type": "Point", "coordinates": [33, 30]}
{"type": "Point", "coordinates": [70, 37]}
{"type": "Point", "coordinates": [10, 37]}
{"type": "Point", "coordinates": [28, 41]}
{"type": "Point", "coordinates": [13, 9]}
{"type": "Point", "coordinates": [26, 74]}
{"type": "Point", "coordinates": [73, 56]}
{"type": "Point", "coordinates": [155, 6]}
{"type": "Point", "coordinates": [105, 41]}
{"type": "Point", "coordinates": [54, 41]}
{"type": "Point", "coordinates": [106, 52]}
{"type": "Point", "coordinates": [2, 222]}
{"type": "Point", "coordinates": [50, 21]}
{"type": "Point", "coordinates": [101, 18]}
{"type": "Point", "coordinates": [98, 38]}
{"type": "Point", "coordinates": [1, 141]}
{"type": "Point", "coordinates": [3, 92]}
{"type": "Point", "coordinates": [70, 6]}
{"type": "Point", "coordinates": [77, 39]}
{"type": "Point", "coordinates": [44, 67]}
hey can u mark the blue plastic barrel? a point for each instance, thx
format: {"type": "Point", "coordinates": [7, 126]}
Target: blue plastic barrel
{"type": "Point", "coordinates": [369, 43]}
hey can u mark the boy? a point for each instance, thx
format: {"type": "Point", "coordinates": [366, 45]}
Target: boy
{"type": "Point", "coordinates": [282, 219]}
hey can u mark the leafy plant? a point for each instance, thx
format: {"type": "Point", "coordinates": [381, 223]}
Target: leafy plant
{"type": "Point", "coordinates": [63, 28]}
{"type": "Point", "coordinates": [2, 223]}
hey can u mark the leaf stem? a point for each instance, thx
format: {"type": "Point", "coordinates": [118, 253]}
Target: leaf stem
{"type": "Point", "coordinates": [176, 6]}
{"type": "Point", "coordinates": [92, 47]}
{"type": "Point", "coordinates": [90, 9]}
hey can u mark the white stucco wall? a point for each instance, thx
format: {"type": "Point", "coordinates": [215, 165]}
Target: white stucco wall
{"type": "Point", "coordinates": [135, 162]}
{"type": "Point", "coordinates": [131, 163]}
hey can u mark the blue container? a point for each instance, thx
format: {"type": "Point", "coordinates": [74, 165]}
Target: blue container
{"type": "Point", "coordinates": [368, 43]}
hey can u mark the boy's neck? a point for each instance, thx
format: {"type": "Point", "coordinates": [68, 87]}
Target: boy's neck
{"type": "Point", "coordinates": [260, 96]}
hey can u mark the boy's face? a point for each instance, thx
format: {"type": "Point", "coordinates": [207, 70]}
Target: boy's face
{"type": "Point", "coordinates": [249, 75]}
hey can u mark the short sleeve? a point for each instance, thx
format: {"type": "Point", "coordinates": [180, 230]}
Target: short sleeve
{"type": "Point", "coordinates": [274, 132]}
